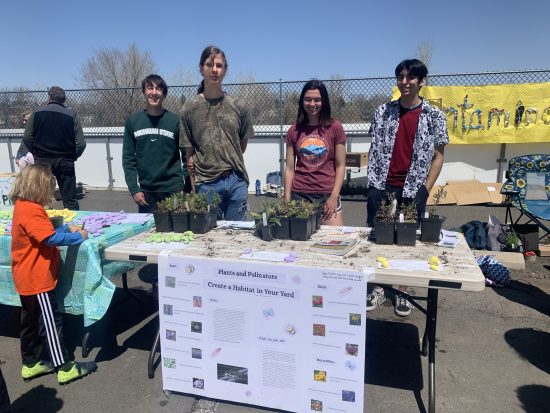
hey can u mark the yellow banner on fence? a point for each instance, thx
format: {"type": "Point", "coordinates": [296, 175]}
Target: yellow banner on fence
{"type": "Point", "coordinates": [511, 113]}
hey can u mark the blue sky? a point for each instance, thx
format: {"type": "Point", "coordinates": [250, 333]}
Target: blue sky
{"type": "Point", "coordinates": [47, 42]}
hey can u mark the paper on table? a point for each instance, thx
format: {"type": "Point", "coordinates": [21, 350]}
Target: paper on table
{"type": "Point", "coordinates": [236, 224]}
{"type": "Point", "coordinates": [449, 239]}
{"type": "Point", "coordinates": [162, 246]}
{"type": "Point", "coordinates": [136, 218]}
{"type": "Point", "coordinates": [368, 272]}
{"type": "Point", "coordinates": [269, 256]}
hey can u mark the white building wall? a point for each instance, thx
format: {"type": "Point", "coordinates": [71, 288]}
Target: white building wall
{"type": "Point", "coordinates": [462, 162]}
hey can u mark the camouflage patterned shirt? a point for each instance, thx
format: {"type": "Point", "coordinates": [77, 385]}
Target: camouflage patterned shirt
{"type": "Point", "coordinates": [215, 129]}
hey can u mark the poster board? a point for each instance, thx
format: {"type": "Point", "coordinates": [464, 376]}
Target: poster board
{"type": "Point", "coordinates": [6, 182]}
{"type": "Point", "coordinates": [274, 335]}
{"type": "Point", "coordinates": [471, 115]}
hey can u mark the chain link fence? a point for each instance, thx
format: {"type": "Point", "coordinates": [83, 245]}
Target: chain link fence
{"type": "Point", "coordinates": [274, 105]}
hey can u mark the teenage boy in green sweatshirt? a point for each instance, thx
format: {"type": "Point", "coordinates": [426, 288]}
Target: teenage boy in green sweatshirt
{"type": "Point", "coordinates": [151, 158]}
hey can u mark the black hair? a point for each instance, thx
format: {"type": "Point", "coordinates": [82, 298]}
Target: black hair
{"type": "Point", "coordinates": [154, 80]}
{"type": "Point", "coordinates": [56, 94]}
{"type": "Point", "coordinates": [415, 68]}
{"type": "Point", "coordinates": [325, 118]}
{"type": "Point", "coordinates": [206, 53]}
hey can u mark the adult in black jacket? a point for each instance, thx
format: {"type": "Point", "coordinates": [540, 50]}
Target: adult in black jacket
{"type": "Point", "coordinates": [54, 136]}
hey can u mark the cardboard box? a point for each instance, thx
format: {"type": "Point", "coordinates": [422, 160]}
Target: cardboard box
{"type": "Point", "coordinates": [448, 200]}
{"type": "Point", "coordinates": [529, 235]}
{"type": "Point", "coordinates": [357, 159]}
{"type": "Point", "coordinates": [474, 192]}
{"type": "Point", "coordinates": [544, 250]}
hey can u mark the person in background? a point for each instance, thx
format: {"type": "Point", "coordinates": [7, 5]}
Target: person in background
{"type": "Point", "coordinates": [406, 156]}
{"type": "Point", "coordinates": [54, 136]}
{"type": "Point", "coordinates": [35, 265]}
{"type": "Point", "coordinates": [23, 156]}
{"type": "Point", "coordinates": [216, 129]}
{"type": "Point", "coordinates": [151, 157]}
{"type": "Point", "coordinates": [316, 154]}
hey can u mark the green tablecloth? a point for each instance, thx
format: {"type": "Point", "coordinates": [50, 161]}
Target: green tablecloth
{"type": "Point", "coordinates": [85, 285]}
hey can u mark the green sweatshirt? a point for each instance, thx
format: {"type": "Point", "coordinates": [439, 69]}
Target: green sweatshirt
{"type": "Point", "coordinates": [150, 154]}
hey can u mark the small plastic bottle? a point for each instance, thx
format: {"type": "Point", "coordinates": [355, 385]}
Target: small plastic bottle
{"type": "Point", "coordinates": [258, 187]}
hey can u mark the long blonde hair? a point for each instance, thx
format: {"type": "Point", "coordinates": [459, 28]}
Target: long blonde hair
{"type": "Point", "coordinates": [35, 183]}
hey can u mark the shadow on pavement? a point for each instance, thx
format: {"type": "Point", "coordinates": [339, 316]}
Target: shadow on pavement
{"type": "Point", "coordinates": [38, 399]}
{"type": "Point", "coordinates": [526, 294]}
{"type": "Point", "coordinates": [532, 345]}
{"type": "Point", "coordinates": [124, 313]}
{"type": "Point", "coordinates": [391, 348]}
{"type": "Point", "coordinates": [534, 398]}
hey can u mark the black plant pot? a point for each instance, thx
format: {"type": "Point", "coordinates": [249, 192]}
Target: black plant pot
{"type": "Point", "coordinates": [265, 233]}
{"type": "Point", "coordinates": [180, 221]}
{"type": "Point", "coordinates": [163, 221]}
{"type": "Point", "coordinates": [257, 226]}
{"type": "Point", "coordinates": [213, 216]}
{"type": "Point", "coordinates": [406, 233]}
{"type": "Point", "coordinates": [430, 228]}
{"type": "Point", "coordinates": [300, 229]}
{"type": "Point", "coordinates": [281, 231]}
{"type": "Point", "coordinates": [384, 232]}
{"type": "Point", "coordinates": [319, 215]}
{"type": "Point", "coordinates": [312, 224]}
{"type": "Point", "coordinates": [200, 222]}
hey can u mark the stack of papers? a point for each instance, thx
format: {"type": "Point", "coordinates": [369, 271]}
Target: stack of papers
{"type": "Point", "coordinates": [449, 239]}
{"type": "Point", "coordinates": [337, 244]}
{"type": "Point", "coordinates": [236, 224]}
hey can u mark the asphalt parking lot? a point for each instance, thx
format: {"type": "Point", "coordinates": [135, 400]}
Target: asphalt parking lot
{"type": "Point", "coordinates": [492, 350]}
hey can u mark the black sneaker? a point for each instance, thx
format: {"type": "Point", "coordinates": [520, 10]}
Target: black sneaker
{"type": "Point", "coordinates": [403, 306]}
{"type": "Point", "coordinates": [375, 299]}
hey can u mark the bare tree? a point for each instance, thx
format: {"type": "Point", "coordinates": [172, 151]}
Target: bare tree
{"type": "Point", "coordinates": [424, 52]}
{"type": "Point", "coordinates": [112, 68]}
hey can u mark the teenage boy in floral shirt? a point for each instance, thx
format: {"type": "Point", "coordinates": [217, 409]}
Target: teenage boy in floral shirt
{"type": "Point", "coordinates": [406, 155]}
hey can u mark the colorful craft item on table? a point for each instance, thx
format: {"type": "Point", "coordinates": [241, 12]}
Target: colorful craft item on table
{"type": "Point", "coordinates": [384, 263]}
{"type": "Point", "coordinates": [433, 262]}
{"type": "Point", "coordinates": [6, 214]}
{"type": "Point", "coordinates": [95, 222]}
{"type": "Point", "coordinates": [167, 237]}
{"type": "Point", "coordinates": [67, 215]}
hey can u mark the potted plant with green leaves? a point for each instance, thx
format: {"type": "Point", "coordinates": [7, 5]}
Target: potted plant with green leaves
{"type": "Point", "coordinates": [199, 220]}
{"type": "Point", "coordinates": [405, 228]}
{"type": "Point", "coordinates": [266, 220]}
{"type": "Point", "coordinates": [162, 216]}
{"type": "Point", "coordinates": [180, 212]}
{"type": "Point", "coordinates": [384, 221]}
{"type": "Point", "coordinates": [280, 223]}
{"type": "Point", "coordinates": [430, 225]}
{"type": "Point", "coordinates": [214, 200]}
{"type": "Point", "coordinates": [512, 242]}
{"type": "Point", "coordinates": [300, 221]}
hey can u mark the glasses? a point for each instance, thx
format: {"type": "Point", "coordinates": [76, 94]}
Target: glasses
{"type": "Point", "coordinates": [314, 100]}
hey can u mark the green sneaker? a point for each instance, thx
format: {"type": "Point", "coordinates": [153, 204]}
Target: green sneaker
{"type": "Point", "coordinates": [40, 368]}
{"type": "Point", "coordinates": [73, 370]}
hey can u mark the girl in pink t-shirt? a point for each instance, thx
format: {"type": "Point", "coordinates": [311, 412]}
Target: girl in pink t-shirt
{"type": "Point", "coordinates": [316, 154]}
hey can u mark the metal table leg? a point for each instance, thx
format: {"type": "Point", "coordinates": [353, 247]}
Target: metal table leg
{"type": "Point", "coordinates": [431, 322]}
{"type": "Point", "coordinates": [151, 361]}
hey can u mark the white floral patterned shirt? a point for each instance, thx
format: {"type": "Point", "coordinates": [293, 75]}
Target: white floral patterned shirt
{"type": "Point", "coordinates": [431, 132]}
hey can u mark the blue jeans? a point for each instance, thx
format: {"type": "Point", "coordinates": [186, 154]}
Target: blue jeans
{"type": "Point", "coordinates": [233, 190]}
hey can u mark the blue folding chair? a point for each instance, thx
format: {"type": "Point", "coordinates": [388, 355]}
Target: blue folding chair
{"type": "Point", "coordinates": [527, 188]}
